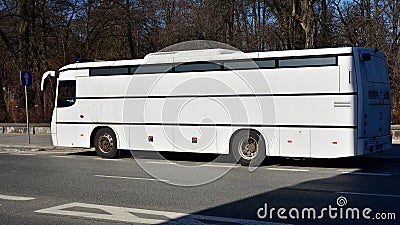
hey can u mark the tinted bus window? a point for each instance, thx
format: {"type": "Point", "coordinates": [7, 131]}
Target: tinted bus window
{"type": "Point", "coordinates": [156, 68]}
{"type": "Point", "coordinates": [198, 67]}
{"type": "Point", "coordinates": [66, 93]}
{"type": "Point", "coordinates": [109, 71]}
{"type": "Point", "coordinates": [303, 62]}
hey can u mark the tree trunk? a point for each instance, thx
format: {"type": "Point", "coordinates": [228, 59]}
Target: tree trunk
{"type": "Point", "coordinates": [3, 108]}
{"type": "Point", "coordinates": [303, 11]}
{"type": "Point", "coordinates": [24, 35]}
{"type": "Point", "coordinates": [324, 24]}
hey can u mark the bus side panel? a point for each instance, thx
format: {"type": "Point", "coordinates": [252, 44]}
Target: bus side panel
{"type": "Point", "coordinates": [199, 139]}
{"type": "Point", "coordinates": [312, 80]}
{"type": "Point", "coordinates": [151, 137]}
{"type": "Point", "coordinates": [316, 111]}
{"type": "Point", "coordinates": [149, 122]}
{"type": "Point", "coordinates": [73, 135]}
{"type": "Point", "coordinates": [295, 142]}
{"type": "Point", "coordinates": [317, 142]}
{"type": "Point", "coordinates": [348, 81]}
{"type": "Point", "coordinates": [102, 86]}
{"type": "Point", "coordinates": [333, 142]}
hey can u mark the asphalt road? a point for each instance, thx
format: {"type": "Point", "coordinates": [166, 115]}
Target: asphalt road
{"type": "Point", "coordinates": [68, 186]}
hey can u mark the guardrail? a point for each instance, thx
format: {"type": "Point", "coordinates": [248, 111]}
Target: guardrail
{"type": "Point", "coordinates": [395, 132]}
{"type": "Point", "coordinates": [44, 128]}
{"type": "Point", "coordinates": [20, 128]}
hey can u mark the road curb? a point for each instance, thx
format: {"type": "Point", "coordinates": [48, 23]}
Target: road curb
{"type": "Point", "coordinates": [37, 148]}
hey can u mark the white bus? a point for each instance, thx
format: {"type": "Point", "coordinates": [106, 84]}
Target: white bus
{"type": "Point", "coordinates": [315, 103]}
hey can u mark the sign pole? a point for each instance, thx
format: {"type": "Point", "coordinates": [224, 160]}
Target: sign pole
{"type": "Point", "coordinates": [26, 80]}
{"type": "Point", "coordinates": [27, 116]}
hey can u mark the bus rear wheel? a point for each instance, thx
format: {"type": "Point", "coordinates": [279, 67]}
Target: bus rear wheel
{"type": "Point", "coordinates": [105, 143]}
{"type": "Point", "coordinates": [248, 146]}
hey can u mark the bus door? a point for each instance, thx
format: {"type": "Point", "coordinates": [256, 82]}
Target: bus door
{"type": "Point", "coordinates": [66, 97]}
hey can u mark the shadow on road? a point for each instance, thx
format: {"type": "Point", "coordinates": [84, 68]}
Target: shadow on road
{"type": "Point", "coordinates": [316, 194]}
{"type": "Point", "coordinates": [361, 162]}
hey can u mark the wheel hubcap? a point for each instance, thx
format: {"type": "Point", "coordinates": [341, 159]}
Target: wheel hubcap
{"type": "Point", "coordinates": [105, 143]}
{"type": "Point", "coordinates": [248, 148]}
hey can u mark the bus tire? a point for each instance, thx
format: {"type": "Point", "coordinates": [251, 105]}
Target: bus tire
{"type": "Point", "coordinates": [248, 146]}
{"type": "Point", "coordinates": [105, 143]}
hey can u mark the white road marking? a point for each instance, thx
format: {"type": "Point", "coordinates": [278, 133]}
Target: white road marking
{"type": "Point", "coordinates": [288, 169]}
{"type": "Point", "coordinates": [348, 170]}
{"type": "Point", "coordinates": [368, 194]}
{"type": "Point", "coordinates": [15, 198]}
{"type": "Point", "coordinates": [204, 165]}
{"type": "Point", "coordinates": [222, 165]}
{"type": "Point", "coordinates": [323, 170]}
{"type": "Point", "coordinates": [129, 178]}
{"type": "Point", "coordinates": [157, 162]}
{"type": "Point", "coordinates": [351, 172]}
{"type": "Point", "coordinates": [83, 157]}
{"type": "Point", "coordinates": [128, 215]}
{"type": "Point", "coordinates": [61, 156]}
{"type": "Point", "coordinates": [17, 153]}
{"type": "Point", "coordinates": [99, 158]}
{"type": "Point", "coordinates": [368, 174]}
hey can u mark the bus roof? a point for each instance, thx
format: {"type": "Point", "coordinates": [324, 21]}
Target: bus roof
{"type": "Point", "coordinates": [208, 55]}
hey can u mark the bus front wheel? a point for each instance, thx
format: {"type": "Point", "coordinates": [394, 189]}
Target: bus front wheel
{"type": "Point", "coordinates": [248, 146]}
{"type": "Point", "coordinates": [105, 143]}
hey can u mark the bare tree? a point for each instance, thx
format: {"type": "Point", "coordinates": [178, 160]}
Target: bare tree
{"type": "Point", "coordinates": [303, 12]}
{"type": "Point", "coordinates": [42, 35]}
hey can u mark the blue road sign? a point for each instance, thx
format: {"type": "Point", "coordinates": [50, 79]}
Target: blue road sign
{"type": "Point", "coordinates": [26, 78]}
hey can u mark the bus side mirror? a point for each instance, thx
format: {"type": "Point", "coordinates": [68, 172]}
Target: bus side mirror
{"type": "Point", "coordinates": [365, 57]}
{"type": "Point", "coordinates": [43, 84]}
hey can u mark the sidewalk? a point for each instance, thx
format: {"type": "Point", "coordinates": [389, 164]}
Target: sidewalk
{"type": "Point", "coordinates": [20, 141]}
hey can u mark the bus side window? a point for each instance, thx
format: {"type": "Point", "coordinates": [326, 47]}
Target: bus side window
{"type": "Point", "coordinates": [198, 67]}
{"type": "Point", "coordinates": [307, 62]}
{"type": "Point", "coordinates": [66, 93]}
